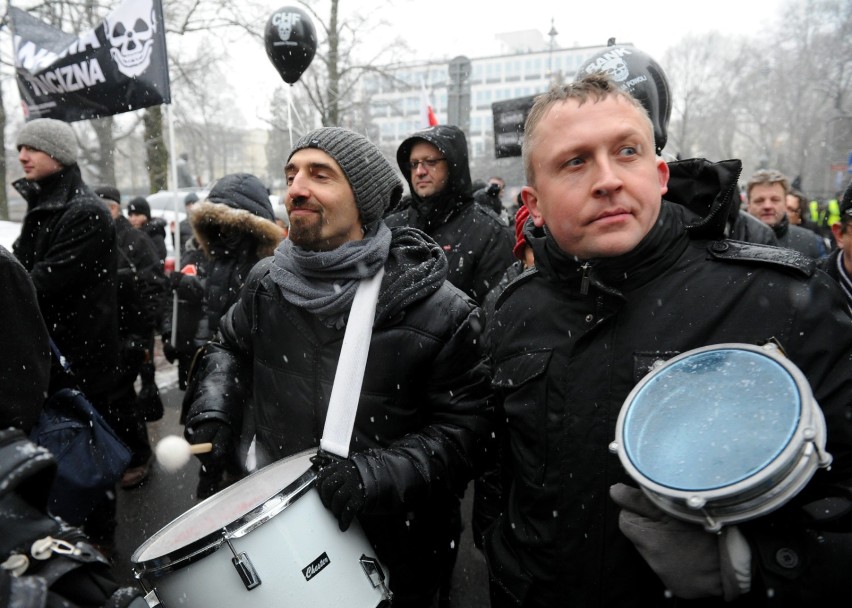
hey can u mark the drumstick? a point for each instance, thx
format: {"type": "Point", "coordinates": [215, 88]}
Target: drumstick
{"type": "Point", "coordinates": [174, 452]}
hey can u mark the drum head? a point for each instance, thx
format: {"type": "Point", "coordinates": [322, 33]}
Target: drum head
{"type": "Point", "coordinates": [710, 419]}
{"type": "Point", "coordinates": [203, 523]}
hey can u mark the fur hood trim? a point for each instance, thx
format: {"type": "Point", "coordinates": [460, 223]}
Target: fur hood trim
{"type": "Point", "coordinates": [209, 218]}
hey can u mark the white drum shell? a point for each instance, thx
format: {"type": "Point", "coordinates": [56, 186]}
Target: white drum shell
{"type": "Point", "coordinates": [757, 495]}
{"type": "Point", "coordinates": [280, 546]}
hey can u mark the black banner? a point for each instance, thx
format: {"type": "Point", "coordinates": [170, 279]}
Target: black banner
{"type": "Point", "coordinates": [509, 118]}
{"type": "Point", "coordinates": [118, 66]}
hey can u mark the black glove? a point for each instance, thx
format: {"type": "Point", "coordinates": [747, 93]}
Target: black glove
{"type": "Point", "coordinates": [691, 562]}
{"type": "Point", "coordinates": [214, 462]}
{"type": "Point", "coordinates": [169, 351]}
{"type": "Point", "coordinates": [341, 490]}
{"type": "Point", "coordinates": [174, 279]}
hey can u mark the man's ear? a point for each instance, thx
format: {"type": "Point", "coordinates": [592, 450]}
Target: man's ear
{"type": "Point", "coordinates": [837, 231]}
{"type": "Point", "coordinates": [663, 175]}
{"type": "Point", "coordinates": [530, 198]}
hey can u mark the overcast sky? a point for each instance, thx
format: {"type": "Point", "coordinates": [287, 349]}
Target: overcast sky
{"type": "Point", "coordinates": [438, 29]}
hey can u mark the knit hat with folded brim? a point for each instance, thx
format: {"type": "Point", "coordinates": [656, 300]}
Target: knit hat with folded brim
{"type": "Point", "coordinates": [53, 137]}
{"type": "Point", "coordinates": [374, 181]}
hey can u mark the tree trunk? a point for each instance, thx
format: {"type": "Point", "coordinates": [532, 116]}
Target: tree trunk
{"type": "Point", "coordinates": [105, 159]}
{"type": "Point", "coordinates": [155, 149]}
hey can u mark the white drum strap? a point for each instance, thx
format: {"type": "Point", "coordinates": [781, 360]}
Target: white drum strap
{"type": "Point", "coordinates": [346, 390]}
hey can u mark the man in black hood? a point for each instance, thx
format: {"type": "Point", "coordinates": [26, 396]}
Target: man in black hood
{"type": "Point", "coordinates": [477, 244]}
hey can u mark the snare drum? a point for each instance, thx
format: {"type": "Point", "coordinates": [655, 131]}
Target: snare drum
{"type": "Point", "coordinates": [256, 544]}
{"type": "Point", "coordinates": [722, 434]}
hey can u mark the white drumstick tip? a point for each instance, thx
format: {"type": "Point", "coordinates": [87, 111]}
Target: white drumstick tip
{"type": "Point", "coordinates": [174, 452]}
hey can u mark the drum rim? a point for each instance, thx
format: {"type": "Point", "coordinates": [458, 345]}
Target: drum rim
{"type": "Point", "coordinates": [811, 421]}
{"type": "Point", "coordinates": [202, 547]}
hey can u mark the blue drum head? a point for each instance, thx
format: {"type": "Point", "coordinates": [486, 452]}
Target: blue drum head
{"type": "Point", "coordinates": [711, 419]}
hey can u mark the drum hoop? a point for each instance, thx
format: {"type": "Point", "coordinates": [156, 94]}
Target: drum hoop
{"type": "Point", "coordinates": [719, 514]}
{"type": "Point", "coordinates": [198, 549]}
{"type": "Point", "coordinates": [810, 421]}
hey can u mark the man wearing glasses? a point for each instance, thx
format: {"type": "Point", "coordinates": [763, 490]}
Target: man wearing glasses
{"type": "Point", "coordinates": [477, 244]}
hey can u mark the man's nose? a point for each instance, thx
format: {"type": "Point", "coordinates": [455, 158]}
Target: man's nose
{"type": "Point", "coordinates": [298, 188]}
{"type": "Point", "coordinates": [607, 180]}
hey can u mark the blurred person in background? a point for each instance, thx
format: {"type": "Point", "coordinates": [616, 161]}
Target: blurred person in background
{"type": "Point", "coordinates": [141, 289]}
{"type": "Point", "coordinates": [67, 245]}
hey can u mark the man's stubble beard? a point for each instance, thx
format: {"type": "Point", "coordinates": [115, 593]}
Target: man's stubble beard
{"type": "Point", "coordinates": [306, 234]}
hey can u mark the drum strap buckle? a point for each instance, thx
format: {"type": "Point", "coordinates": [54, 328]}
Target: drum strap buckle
{"type": "Point", "coordinates": [374, 572]}
{"type": "Point", "coordinates": [244, 567]}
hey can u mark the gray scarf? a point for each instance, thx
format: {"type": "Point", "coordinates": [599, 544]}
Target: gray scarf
{"type": "Point", "coordinates": [324, 282]}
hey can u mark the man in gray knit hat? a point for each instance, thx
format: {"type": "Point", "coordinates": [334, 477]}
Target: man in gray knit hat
{"type": "Point", "coordinates": [67, 244]}
{"type": "Point", "coordinates": [422, 421]}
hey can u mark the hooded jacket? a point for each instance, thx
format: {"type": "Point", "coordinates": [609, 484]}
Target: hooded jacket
{"type": "Point", "coordinates": [570, 340]}
{"type": "Point", "coordinates": [478, 245]}
{"type": "Point", "coordinates": [234, 228]}
{"type": "Point", "coordinates": [423, 416]}
{"type": "Point", "coordinates": [67, 244]}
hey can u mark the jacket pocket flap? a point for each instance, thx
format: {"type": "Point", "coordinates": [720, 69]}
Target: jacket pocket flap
{"type": "Point", "coordinates": [520, 369]}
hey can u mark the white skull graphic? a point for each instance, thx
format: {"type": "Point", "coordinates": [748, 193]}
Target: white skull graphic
{"type": "Point", "coordinates": [617, 69]}
{"type": "Point", "coordinates": [285, 22]}
{"type": "Point", "coordinates": [130, 30]}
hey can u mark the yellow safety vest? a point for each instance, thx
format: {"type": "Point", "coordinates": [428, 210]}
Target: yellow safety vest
{"type": "Point", "coordinates": [833, 212]}
{"type": "Point", "coordinates": [814, 211]}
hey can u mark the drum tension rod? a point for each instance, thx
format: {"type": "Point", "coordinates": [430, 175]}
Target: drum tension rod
{"type": "Point", "coordinates": [244, 567]}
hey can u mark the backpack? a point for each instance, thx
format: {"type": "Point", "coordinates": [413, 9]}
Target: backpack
{"type": "Point", "coordinates": [89, 455]}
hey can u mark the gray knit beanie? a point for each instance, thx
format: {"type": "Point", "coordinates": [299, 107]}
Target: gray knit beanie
{"type": "Point", "coordinates": [53, 137]}
{"type": "Point", "coordinates": [373, 180]}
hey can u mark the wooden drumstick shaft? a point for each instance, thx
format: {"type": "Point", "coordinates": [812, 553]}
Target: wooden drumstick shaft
{"type": "Point", "coordinates": [200, 448]}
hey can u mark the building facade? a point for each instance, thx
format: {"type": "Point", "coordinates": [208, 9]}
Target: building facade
{"type": "Point", "coordinates": [396, 98]}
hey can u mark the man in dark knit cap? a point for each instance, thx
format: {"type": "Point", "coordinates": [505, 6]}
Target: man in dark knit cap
{"type": "Point", "coordinates": [422, 421]}
{"type": "Point", "coordinates": [67, 244]}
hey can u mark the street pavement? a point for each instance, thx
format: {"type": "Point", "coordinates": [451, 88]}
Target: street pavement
{"type": "Point", "coordinates": [163, 496]}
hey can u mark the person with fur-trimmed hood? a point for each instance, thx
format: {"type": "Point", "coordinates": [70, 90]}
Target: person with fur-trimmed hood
{"type": "Point", "coordinates": [234, 228]}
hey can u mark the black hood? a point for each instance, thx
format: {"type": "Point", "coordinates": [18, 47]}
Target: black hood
{"type": "Point", "coordinates": [709, 190]}
{"type": "Point", "coordinates": [452, 143]}
{"type": "Point", "coordinates": [242, 191]}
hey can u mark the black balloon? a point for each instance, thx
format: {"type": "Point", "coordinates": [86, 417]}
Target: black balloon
{"type": "Point", "coordinates": [291, 42]}
{"type": "Point", "coordinates": [637, 73]}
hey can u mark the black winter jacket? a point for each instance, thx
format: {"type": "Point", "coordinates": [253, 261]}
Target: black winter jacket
{"type": "Point", "coordinates": [141, 282]}
{"type": "Point", "coordinates": [831, 265]}
{"type": "Point", "coordinates": [571, 338]}
{"type": "Point", "coordinates": [423, 417]}
{"type": "Point", "coordinates": [478, 245]}
{"type": "Point", "coordinates": [155, 228]}
{"type": "Point", "coordinates": [67, 244]}
{"type": "Point", "coordinates": [799, 239]}
{"type": "Point", "coordinates": [24, 349]}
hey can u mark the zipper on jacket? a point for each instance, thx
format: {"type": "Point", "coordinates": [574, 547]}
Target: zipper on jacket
{"type": "Point", "coordinates": [584, 280]}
